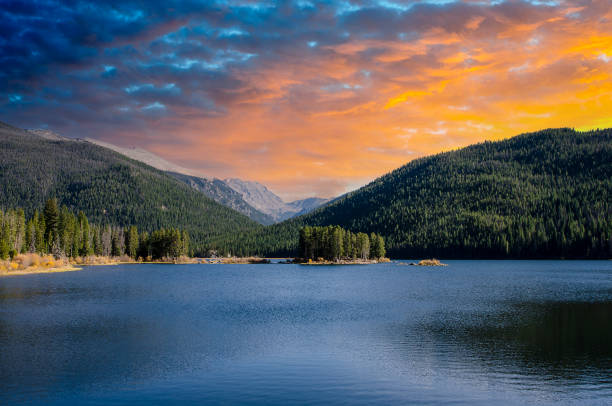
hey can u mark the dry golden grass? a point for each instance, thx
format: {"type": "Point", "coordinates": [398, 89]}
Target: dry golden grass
{"type": "Point", "coordinates": [431, 262]}
{"type": "Point", "coordinates": [245, 260]}
{"type": "Point", "coordinates": [34, 263]}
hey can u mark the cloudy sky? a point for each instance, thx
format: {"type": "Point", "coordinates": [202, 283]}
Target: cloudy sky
{"type": "Point", "coordinates": [307, 97]}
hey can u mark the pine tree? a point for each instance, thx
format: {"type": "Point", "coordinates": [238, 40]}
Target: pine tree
{"type": "Point", "coordinates": [175, 244]}
{"type": "Point", "coordinates": [96, 242]}
{"type": "Point", "coordinates": [4, 237]}
{"type": "Point", "coordinates": [85, 246]}
{"type": "Point", "coordinates": [379, 250]}
{"type": "Point", "coordinates": [20, 231]}
{"type": "Point", "coordinates": [185, 240]}
{"type": "Point", "coordinates": [77, 234]}
{"type": "Point", "coordinates": [132, 242]}
{"type": "Point", "coordinates": [30, 237]}
{"type": "Point", "coordinates": [51, 214]}
{"type": "Point", "coordinates": [41, 243]}
{"type": "Point", "coordinates": [118, 242]}
{"type": "Point", "coordinates": [363, 245]}
{"type": "Point", "coordinates": [107, 241]}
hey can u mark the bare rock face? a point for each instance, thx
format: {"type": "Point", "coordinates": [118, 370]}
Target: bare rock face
{"type": "Point", "coordinates": [220, 192]}
{"type": "Point", "coordinates": [264, 200]}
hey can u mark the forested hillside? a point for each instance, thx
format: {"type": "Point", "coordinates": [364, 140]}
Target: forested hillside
{"type": "Point", "coordinates": [544, 194]}
{"type": "Point", "coordinates": [108, 187]}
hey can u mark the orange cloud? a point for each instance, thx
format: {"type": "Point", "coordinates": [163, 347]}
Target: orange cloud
{"type": "Point", "coordinates": [327, 122]}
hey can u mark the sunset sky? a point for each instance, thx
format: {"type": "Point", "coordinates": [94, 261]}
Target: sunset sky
{"type": "Point", "coordinates": [307, 97]}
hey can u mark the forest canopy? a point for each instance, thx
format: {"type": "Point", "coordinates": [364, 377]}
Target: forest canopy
{"type": "Point", "coordinates": [540, 195]}
{"type": "Point", "coordinates": [334, 243]}
{"type": "Point", "coordinates": [58, 231]}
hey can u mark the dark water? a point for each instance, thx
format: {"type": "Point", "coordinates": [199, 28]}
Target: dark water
{"type": "Point", "coordinates": [476, 332]}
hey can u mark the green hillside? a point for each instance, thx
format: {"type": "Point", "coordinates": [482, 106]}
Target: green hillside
{"type": "Point", "coordinates": [545, 194]}
{"type": "Point", "coordinates": [110, 188]}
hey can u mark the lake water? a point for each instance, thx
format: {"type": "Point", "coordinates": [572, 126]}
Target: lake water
{"type": "Point", "coordinates": [473, 333]}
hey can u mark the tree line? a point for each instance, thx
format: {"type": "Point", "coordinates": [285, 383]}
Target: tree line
{"type": "Point", "coordinates": [109, 188]}
{"type": "Point", "coordinates": [58, 231]}
{"type": "Point", "coordinates": [541, 195]}
{"type": "Point", "coordinates": [334, 243]}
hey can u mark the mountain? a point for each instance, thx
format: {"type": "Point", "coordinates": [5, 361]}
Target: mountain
{"type": "Point", "coordinates": [249, 198]}
{"type": "Point", "coordinates": [537, 195]}
{"type": "Point", "coordinates": [304, 206]}
{"type": "Point", "coordinates": [220, 192]}
{"type": "Point", "coordinates": [108, 187]}
{"type": "Point", "coordinates": [216, 189]}
{"type": "Point", "coordinates": [264, 200]}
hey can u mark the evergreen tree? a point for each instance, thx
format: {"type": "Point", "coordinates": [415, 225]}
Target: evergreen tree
{"type": "Point", "coordinates": [73, 236]}
{"type": "Point", "coordinates": [363, 245]}
{"type": "Point", "coordinates": [30, 238]}
{"type": "Point", "coordinates": [41, 243]}
{"type": "Point", "coordinates": [20, 232]}
{"type": "Point", "coordinates": [144, 246]}
{"type": "Point", "coordinates": [185, 241]}
{"type": "Point", "coordinates": [176, 245]}
{"type": "Point", "coordinates": [5, 234]}
{"type": "Point", "coordinates": [96, 240]}
{"type": "Point", "coordinates": [132, 242]}
{"type": "Point", "coordinates": [77, 236]}
{"type": "Point", "coordinates": [85, 233]}
{"type": "Point", "coordinates": [107, 241]}
{"type": "Point", "coordinates": [118, 242]}
{"type": "Point", "coordinates": [334, 243]}
{"type": "Point", "coordinates": [378, 251]}
{"type": "Point", "coordinates": [51, 214]}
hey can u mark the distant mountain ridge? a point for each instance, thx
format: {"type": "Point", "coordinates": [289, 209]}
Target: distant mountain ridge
{"type": "Point", "coordinates": [248, 197]}
{"type": "Point", "coordinates": [220, 192]}
{"type": "Point", "coordinates": [264, 200]}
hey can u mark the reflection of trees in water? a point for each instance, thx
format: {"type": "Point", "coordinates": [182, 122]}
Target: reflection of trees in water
{"type": "Point", "coordinates": [562, 339]}
{"type": "Point", "coordinates": [566, 331]}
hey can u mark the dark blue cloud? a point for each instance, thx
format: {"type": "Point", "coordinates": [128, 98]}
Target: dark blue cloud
{"type": "Point", "coordinates": [65, 62]}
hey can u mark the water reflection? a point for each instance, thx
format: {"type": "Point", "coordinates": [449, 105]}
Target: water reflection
{"type": "Point", "coordinates": [554, 340]}
{"type": "Point", "coordinates": [284, 334]}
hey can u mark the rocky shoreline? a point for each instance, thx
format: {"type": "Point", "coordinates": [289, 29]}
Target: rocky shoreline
{"type": "Point", "coordinates": [425, 262]}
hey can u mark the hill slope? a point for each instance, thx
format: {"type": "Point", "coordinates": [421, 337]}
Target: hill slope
{"type": "Point", "coordinates": [545, 194]}
{"type": "Point", "coordinates": [249, 198]}
{"type": "Point", "coordinates": [107, 186]}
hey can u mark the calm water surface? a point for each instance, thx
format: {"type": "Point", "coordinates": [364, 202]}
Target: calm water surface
{"type": "Point", "coordinates": [475, 332]}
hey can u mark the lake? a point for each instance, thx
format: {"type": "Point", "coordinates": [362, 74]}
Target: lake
{"type": "Point", "coordinates": [473, 333]}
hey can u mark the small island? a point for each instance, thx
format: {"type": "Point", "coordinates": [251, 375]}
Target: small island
{"type": "Point", "coordinates": [429, 262]}
{"type": "Point", "coordinates": [333, 245]}
{"type": "Point", "coordinates": [424, 262]}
